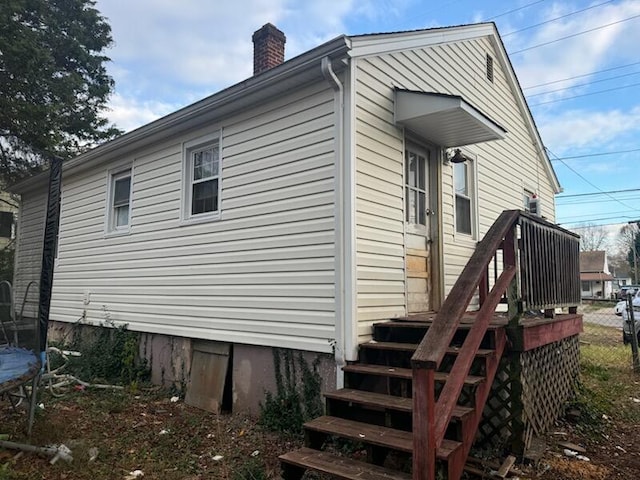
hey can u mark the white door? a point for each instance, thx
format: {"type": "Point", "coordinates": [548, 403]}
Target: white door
{"type": "Point", "coordinates": [418, 215]}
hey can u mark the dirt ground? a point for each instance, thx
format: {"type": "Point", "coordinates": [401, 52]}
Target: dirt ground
{"type": "Point", "coordinates": [170, 440]}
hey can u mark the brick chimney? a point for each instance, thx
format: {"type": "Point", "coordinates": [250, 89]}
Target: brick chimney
{"type": "Point", "coordinates": [268, 48]}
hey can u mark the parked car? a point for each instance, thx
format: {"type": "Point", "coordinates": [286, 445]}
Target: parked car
{"type": "Point", "coordinates": [622, 293]}
{"type": "Point", "coordinates": [626, 320]}
{"type": "Point", "coordinates": [621, 305]}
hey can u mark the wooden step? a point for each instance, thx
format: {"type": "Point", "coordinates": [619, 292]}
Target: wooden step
{"type": "Point", "coordinates": [404, 373]}
{"type": "Point", "coordinates": [375, 435]}
{"type": "Point", "coordinates": [340, 467]}
{"type": "Point", "coordinates": [411, 347]}
{"type": "Point", "coordinates": [388, 402]}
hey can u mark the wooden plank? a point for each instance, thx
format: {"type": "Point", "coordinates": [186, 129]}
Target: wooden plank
{"type": "Point", "coordinates": [404, 373]}
{"type": "Point", "coordinates": [209, 364]}
{"type": "Point", "coordinates": [525, 338]}
{"type": "Point", "coordinates": [363, 432]}
{"type": "Point", "coordinates": [506, 466]}
{"type": "Point", "coordinates": [424, 442]}
{"type": "Point", "coordinates": [432, 349]}
{"type": "Point", "coordinates": [408, 347]}
{"type": "Point", "coordinates": [389, 402]}
{"type": "Point", "coordinates": [370, 399]}
{"type": "Point", "coordinates": [340, 467]}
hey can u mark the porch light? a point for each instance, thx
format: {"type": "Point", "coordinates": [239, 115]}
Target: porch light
{"type": "Point", "coordinates": [457, 157]}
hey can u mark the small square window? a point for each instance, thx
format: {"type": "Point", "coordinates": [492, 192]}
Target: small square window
{"type": "Point", "coordinates": [119, 216]}
{"type": "Point", "coordinates": [202, 179]}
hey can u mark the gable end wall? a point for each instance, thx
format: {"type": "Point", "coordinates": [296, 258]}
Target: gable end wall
{"type": "Point", "coordinates": [504, 167]}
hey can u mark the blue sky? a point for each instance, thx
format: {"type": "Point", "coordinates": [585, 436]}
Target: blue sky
{"type": "Point", "coordinates": [168, 54]}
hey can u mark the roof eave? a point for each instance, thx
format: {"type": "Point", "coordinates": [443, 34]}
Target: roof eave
{"type": "Point", "coordinates": [258, 87]}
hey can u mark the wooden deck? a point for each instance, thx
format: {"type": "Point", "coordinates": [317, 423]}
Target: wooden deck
{"type": "Point", "coordinates": [532, 331]}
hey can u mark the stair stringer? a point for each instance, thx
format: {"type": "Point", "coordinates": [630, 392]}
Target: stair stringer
{"type": "Point", "coordinates": [482, 392]}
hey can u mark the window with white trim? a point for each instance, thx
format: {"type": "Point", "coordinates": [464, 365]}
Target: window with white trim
{"type": "Point", "coordinates": [415, 187]}
{"type": "Point", "coordinates": [119, 216]}
{"type": "Point", "coordinates": [464, 197]}
{"type": "Point", "coordinates": [202, 180]}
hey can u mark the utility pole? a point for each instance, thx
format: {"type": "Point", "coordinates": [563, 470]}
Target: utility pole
{"type": "Point", "coordinates": [633, 248]}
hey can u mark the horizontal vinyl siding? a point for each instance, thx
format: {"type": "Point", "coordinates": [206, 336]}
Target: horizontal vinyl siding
{"type": "Point", "coordinates": [263, 274]}
{"type": "Point", "coordinates": [379, 205]}
{"type": "Point", "coordinates": [504, 167]}
{"type": "Point", "coordinates": [28, 256]}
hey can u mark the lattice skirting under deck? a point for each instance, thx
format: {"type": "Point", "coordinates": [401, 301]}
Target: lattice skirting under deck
{"type": "Point", "coordinates": [529, 393]}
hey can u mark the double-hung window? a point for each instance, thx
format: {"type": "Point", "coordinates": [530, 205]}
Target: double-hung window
{"type": "Point", "coordinates": [463, 184]}
{"type": "Point", "coordinates": [202, 180]}
{"type": "Point", "coordinates": [119, 215]}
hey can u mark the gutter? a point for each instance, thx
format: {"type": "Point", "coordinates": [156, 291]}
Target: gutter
{"type": "Point", "coordinates": [341, 292]}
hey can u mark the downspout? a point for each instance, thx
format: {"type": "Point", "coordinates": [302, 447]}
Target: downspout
{"type": "Point", "coordinates": [340, 320]}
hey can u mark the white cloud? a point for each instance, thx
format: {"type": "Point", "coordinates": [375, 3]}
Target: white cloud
{"type": "Point", "coordinates": [180, 52]}
{"type": "Point", "coordinates": [129, 113]}
{"type": "Point", "coordinates": [576, 55]}
{"type": "Point", "coordinates": [583, 129]}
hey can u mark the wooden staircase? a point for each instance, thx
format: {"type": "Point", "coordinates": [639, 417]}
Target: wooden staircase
{"type": "Point", "coordinates": [414, 399]}
{"type": "Point", "coordinates": [374, 410]}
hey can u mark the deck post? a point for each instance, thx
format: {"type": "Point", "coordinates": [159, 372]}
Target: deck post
{"type": "Point", "coordinates": [424, 441]}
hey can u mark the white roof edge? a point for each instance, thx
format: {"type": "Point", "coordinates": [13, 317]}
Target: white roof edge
{"type": "Point", "coordinates": [136, 138]}
{"type": "Point", "coordinates": [384, 43]}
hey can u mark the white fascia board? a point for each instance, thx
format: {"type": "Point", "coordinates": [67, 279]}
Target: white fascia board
{"type": "Point", "coordinates": [381, 44]}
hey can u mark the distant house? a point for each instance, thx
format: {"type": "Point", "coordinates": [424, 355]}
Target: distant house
{"type": "Point", "coordinates": [343, 187]}
{"type": "Point", "coordinates": [595, 278]}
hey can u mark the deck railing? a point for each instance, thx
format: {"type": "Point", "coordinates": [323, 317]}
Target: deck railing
{"type": "Point", "coordinates": [549, 265]}
{"type": "Point", "coordinates": [539, 256]}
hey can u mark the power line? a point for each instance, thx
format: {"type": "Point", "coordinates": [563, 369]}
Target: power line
{"type": "Point", "coordinates": [596, 193]}
{"type": "Point", "coordinates": [513, 11]}
{"type": "Point", "coordinates": [581, 76]}
{"type": "Point", "coordinates": [557, 18]}
{"type": "Point", "coordinates": [600, 201]}
{"type": "Point", "coordinates": [585, 94]}
{"type": "Point", "coordinates": [583, 84]}
{"type": "Point", "coordinates": [595, 220]}
{"type": "Point", "coordinates": [583, 201]}
{"type": "Point", "coordinates": [583, 178]}
{"type": "Point", "coordinates": [599, 154]}
{"type": "Point", "coordinates": [575, 34]}
{"type": "Point", "coordinates": [591, 215]}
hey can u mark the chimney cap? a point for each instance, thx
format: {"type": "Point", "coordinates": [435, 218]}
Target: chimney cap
{"type": "Point", "coordinates": [266, 30]}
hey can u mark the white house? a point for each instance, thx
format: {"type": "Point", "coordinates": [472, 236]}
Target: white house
{"type": "Point", "coordinates": [299, 206]}
{"type": "Point", "coordinates": [595, 279]}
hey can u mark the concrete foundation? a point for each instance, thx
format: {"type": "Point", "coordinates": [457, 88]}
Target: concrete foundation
{"type": "Point", "coordinates": [252, 367]}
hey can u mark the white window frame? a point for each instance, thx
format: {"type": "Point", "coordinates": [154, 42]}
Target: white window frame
{"type": "Point", "coordinates": [420, 227]}
{"type": "Point", "coordinates": [112, 176]}
{"type": "Point", "coordinates": [188, 149]}
{"type": "Point", "coordinates": [472, 187]}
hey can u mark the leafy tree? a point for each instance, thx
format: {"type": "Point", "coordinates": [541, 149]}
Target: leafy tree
{"type": "Point", "coordinates": [53, 82]}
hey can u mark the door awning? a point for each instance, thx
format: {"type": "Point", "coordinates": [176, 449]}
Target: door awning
{"type": "Point", "coordinates": [445, 120]}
